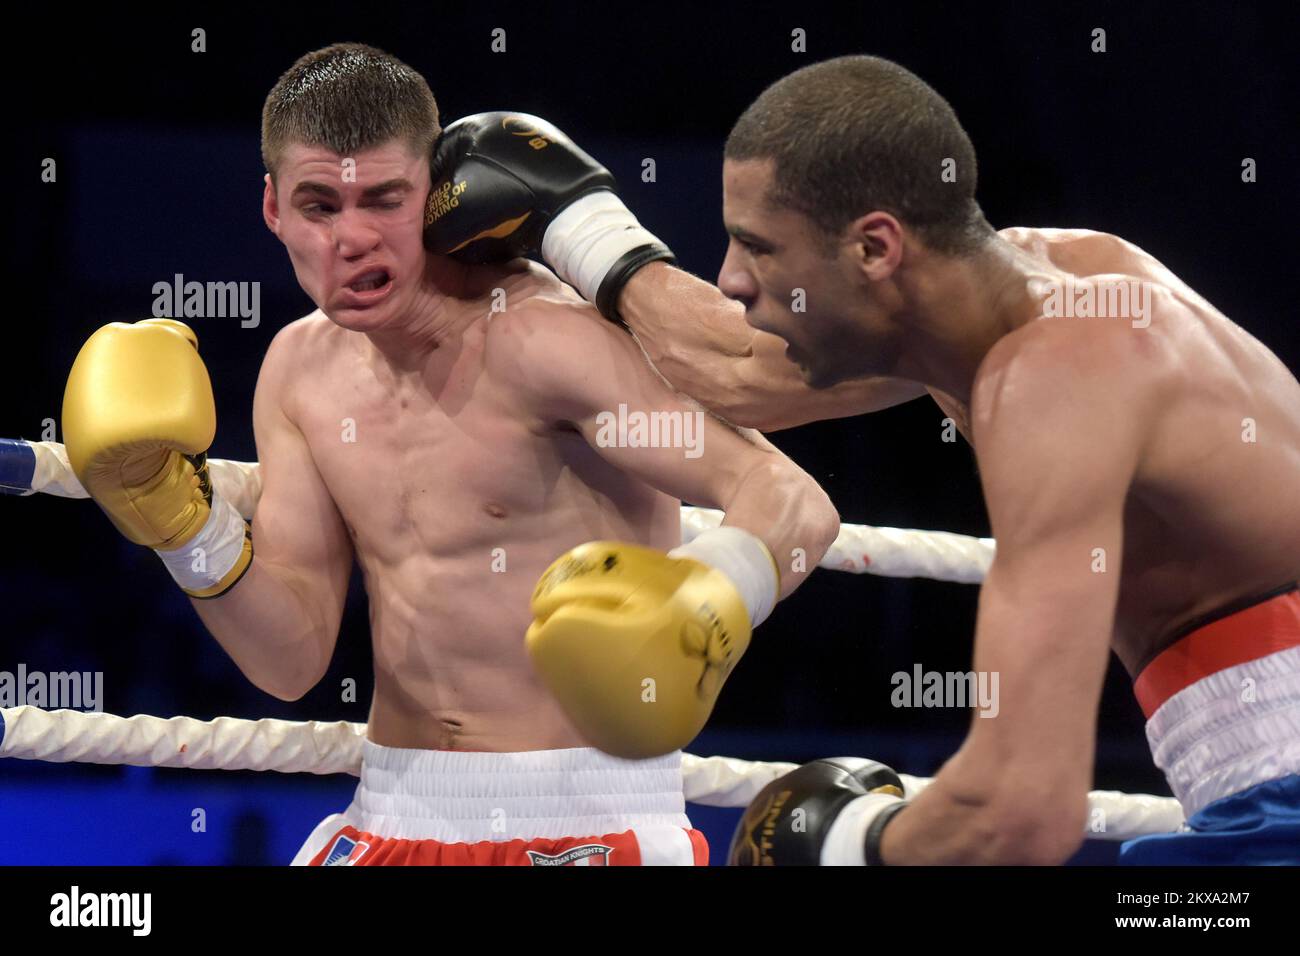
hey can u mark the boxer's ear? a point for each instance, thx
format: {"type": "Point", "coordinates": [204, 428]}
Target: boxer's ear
{"type": "Point", "coordinates": [880, 237]}
{"type": "Point", "coordinates": [270, 205]}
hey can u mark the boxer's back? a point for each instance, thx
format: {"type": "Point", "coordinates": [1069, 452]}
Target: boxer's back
{"type": "Point", "coordinates": [456, 499]}
{"type": "Point", "coordinates": [1213, 515]}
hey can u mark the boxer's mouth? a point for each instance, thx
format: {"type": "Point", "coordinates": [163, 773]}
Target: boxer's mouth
{"type": "Point", "coordinates": [369, 281]}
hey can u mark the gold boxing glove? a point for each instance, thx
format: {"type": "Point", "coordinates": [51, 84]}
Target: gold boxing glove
{"type": "Point", "coordinates": [138, 418]}
{"type": "Point", "coordinates": [636, 644]}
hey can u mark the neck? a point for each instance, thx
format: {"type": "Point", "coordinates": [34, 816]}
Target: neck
{"type": "Point", "coordinates": [436, 318]}
{"type": "Point", "coordinates": [956, 310]}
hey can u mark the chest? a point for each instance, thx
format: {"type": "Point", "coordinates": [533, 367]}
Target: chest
{"type": "Point", "coordinates": [433, 459]}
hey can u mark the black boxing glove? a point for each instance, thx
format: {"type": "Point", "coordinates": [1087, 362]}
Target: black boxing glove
{"type": "Point", "coordinates": [825, 813]}
{"type": "Point", "coordinates": [511, 184]}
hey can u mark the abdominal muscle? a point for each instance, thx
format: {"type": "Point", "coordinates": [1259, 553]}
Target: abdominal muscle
{"type": "Point", "coordinates": [449, 606]}
{"type": "Point", "coordinates": [451, 670]}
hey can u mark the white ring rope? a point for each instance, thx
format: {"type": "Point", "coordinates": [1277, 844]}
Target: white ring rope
{"type": "Point", "coordinates": [891, 552]}
{"type": "Point", "coordinates": [230, 743]}
{"type": "Point", "coordinates": [286, 746]}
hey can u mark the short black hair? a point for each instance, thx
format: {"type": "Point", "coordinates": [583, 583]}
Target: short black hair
{"type": "Point", "coordinates": [859, 133]}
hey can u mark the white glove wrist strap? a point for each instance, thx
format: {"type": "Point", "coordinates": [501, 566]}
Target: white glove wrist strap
{"type": "Point", "coordinates": [744, 559]}
{"type": "Point", "coordinates": [589, 236]}
{"type": "Point", "coordinates": [846, 840]}
{"type": "Point", "coordinates": [204, 560]}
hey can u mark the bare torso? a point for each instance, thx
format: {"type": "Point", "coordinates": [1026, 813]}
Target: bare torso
{"type": "Point", "coordinates": [456, 499]}
{"type": "Point", "coordinates": [1213, 513]}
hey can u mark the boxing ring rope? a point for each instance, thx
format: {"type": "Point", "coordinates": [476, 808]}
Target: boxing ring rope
{"type": "Point", "coordinates": [229, 743]}
{"type": "Point", "coordinates": [286, 746]}
{"type": "Point", "coordinates": [891, 552]}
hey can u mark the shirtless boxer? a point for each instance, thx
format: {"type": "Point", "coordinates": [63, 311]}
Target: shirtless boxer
{"type": "Point", "coordinates": [455, 452]}
{"type": "Point", "coordinates": [1141, 471]}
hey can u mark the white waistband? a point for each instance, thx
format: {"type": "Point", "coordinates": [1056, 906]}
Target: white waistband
{"type": "Point", "coordinates": [1230, 730]}
{"type": "Point", "coordinates": [456, 797]}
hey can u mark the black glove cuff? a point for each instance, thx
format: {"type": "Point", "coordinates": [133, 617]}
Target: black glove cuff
{"type": "Point", "coordinates": [871, 843]}
{"type": "Point", "coordinates": [623, 270]}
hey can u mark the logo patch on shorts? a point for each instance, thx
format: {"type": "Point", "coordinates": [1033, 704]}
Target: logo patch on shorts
{"type": "Point", "coordinates": [589, 854]}
{"type": "Point", "coordinates": [345, 851]}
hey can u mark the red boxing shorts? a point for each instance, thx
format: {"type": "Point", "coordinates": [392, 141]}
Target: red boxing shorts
{"type": "Point", "coordinates": [577, 807]}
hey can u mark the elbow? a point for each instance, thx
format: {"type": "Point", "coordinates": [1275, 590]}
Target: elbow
{"type": "Point", "coordinates": [819, 518]}
{"type": "Point", "coordinates": [813, 525]}
{"type": "Point", "coordinates": [828, 528]}
{"type": "Point", "coordinates": [288, 689]}
{"type": "Point", "coordinates": [293, 685]}
{"type": "Point", "coordinates": [1047, 835]}
{"type": "Point", "coordinates": [1045, 843]}
{"type": "Point", "coordinates": [1009, 814]}
{"type": "Point", "coordinates": [821, 528]}
{"type": "Point", "coordinates": [814, 520]}
{"type": "Point", "coordinates": [286, 695]}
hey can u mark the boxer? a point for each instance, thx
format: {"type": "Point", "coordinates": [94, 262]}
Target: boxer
{"type": "Point", "coordinates": [445, 425]}
{"type": "Point", "coordinates": [1139, 454]}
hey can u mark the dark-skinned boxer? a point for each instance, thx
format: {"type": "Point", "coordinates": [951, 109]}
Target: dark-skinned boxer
{"type": "Point", "coordinates": [1153, 415]}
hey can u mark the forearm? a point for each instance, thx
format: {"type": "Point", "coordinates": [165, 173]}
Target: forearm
{"type": "Point", "coordinates": [980, 820]}
{"type": "Point", "coordinates": [699, 341]}
{"type": "Point", "coordinates": [942, 827]}
{"type": "Point", "coordinates": [267, 626]}
{"type": "Point", "coordinates": [691, 333]}
{"type": "Point", "coordinates": [785, 508]}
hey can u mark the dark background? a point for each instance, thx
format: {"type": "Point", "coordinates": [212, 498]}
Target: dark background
{"type": "Point", "coordinates": [159, 173]}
